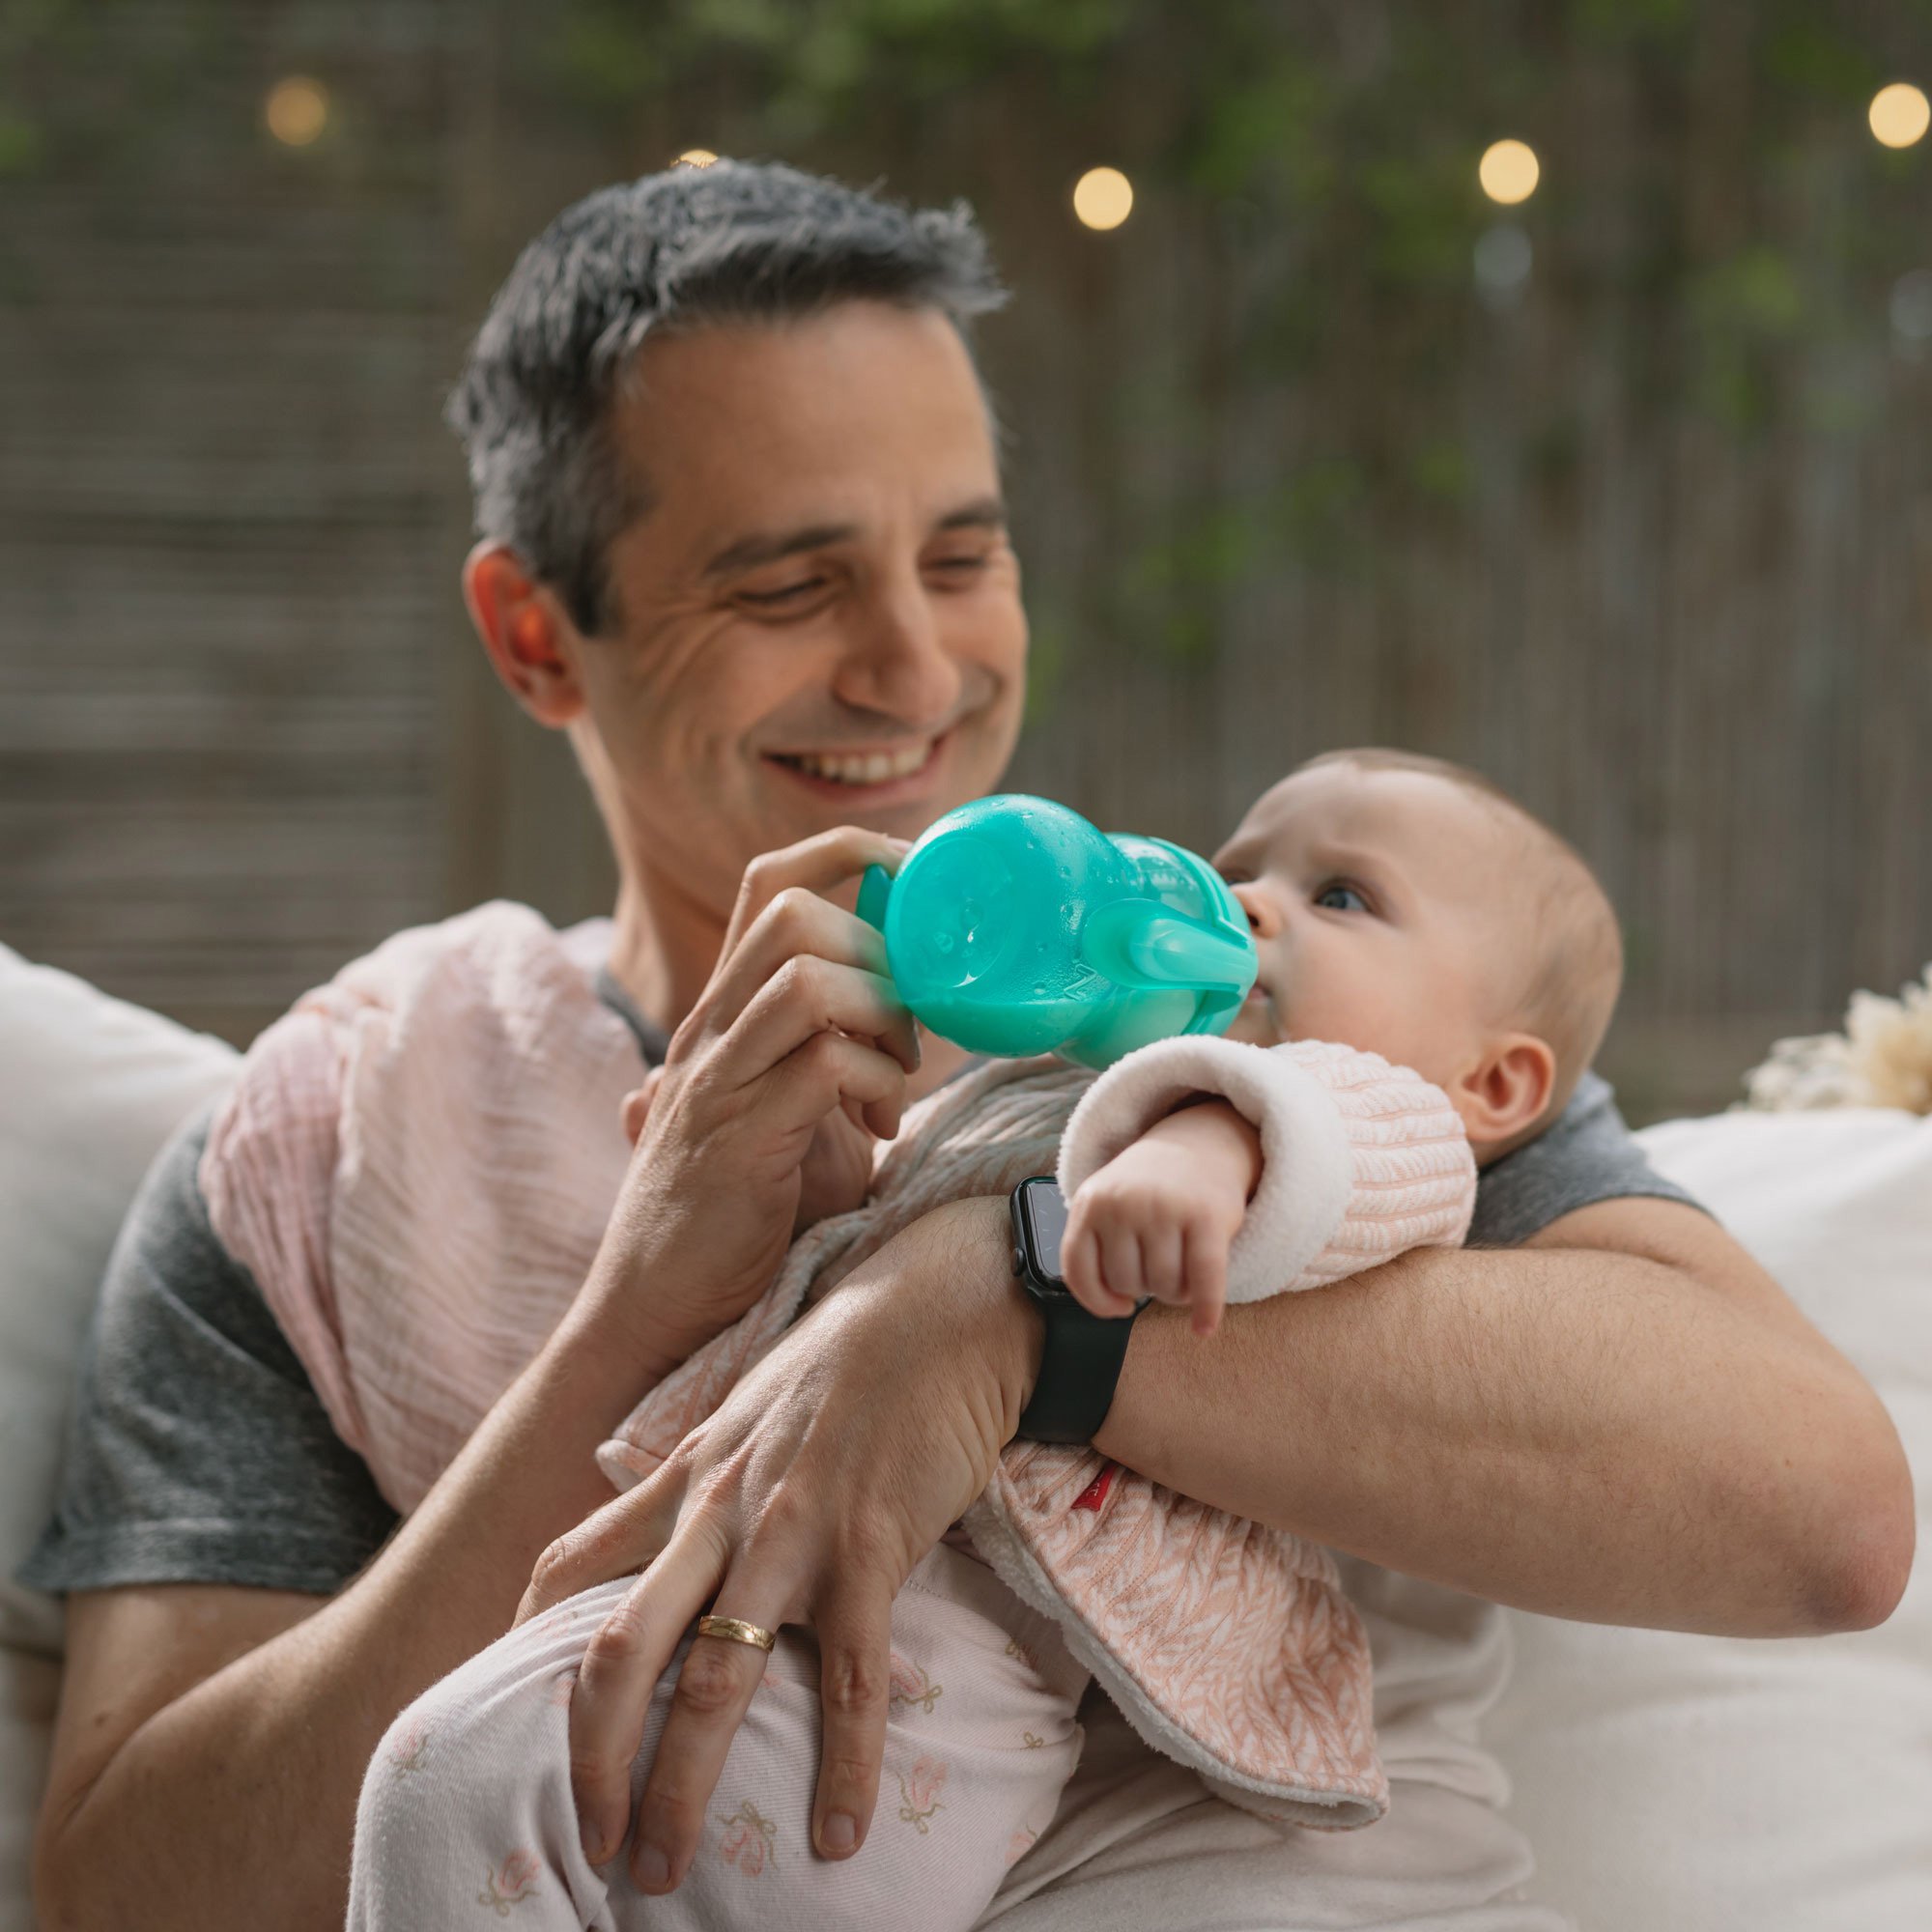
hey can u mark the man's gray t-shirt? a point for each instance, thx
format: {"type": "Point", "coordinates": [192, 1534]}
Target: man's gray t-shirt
{"type": "Point", "coordinates": [199, 1452]}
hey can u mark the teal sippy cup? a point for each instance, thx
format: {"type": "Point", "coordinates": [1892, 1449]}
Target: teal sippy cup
{"type": "Point", "coordinates": [1014, 926]}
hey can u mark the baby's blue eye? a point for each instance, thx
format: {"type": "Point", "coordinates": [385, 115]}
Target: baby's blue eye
{"type": "Point", "coordinates": [1335, 892]}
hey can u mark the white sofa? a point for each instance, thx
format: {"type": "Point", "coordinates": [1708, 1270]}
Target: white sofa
{"type": "Point", "coordinates": [1671, 1783]}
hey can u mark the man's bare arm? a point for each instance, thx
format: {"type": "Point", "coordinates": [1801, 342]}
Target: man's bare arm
{"type": "Point", "coordinates": [1625, 1421]}
{"type": "Point", "coordinates": [212, 1741]}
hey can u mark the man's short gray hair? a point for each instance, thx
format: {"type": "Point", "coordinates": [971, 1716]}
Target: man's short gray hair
{"type": "Point", "coordinates": [735, 241]}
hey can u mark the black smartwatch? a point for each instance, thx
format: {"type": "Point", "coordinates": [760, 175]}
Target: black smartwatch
{"type": "Point", "coordinates": [1080, 1365]}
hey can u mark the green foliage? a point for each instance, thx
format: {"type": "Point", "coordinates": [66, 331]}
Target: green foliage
{"type": "Point", "coordinates": [1311, 168]}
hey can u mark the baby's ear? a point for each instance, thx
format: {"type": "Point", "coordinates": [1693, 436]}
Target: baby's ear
{"type": "Point", "coordinates": [1504, 1093]}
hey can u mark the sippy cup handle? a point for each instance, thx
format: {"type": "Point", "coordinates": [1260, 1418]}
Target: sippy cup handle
{"type": "Point", "coordinates": [874, 890]}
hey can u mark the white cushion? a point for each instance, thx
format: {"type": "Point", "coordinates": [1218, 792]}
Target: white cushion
{"type": "Point", "coordinates": [89, 1089]}
{"type": "Point", "coordinates": [1677, 1783]}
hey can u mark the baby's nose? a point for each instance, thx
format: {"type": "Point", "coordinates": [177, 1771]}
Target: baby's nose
{"type": "Point", "coordinates": [1264, 919]}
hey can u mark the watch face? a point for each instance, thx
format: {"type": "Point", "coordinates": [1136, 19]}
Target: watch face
{"type": "Point", "coordinates": [1045, 1210]}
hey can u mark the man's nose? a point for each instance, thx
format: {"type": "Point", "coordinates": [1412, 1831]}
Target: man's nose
{"type": "Point", "coordinates": [1264, 915]}
{"type": "Point", "coordinates": [897, 662]}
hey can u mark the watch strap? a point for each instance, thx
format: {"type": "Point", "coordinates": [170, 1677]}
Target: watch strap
{"type": "Point", "coordinates": [1079, 1370]}
{"type": "Point", "coordinates": [1080, 1357]}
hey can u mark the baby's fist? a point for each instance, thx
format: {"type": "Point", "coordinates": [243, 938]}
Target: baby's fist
{"type": "Point", "coordinates": [1155, 1223]}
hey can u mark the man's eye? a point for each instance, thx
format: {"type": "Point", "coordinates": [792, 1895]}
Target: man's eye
{"type": "Point", "coordinates": [1338, 897]}
{"type": "Point", "coordinates": [786, 593]}
{"type": "Point", "coordinates": [959, 566]}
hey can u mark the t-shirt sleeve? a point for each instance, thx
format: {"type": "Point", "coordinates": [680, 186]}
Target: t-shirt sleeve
{"type": "Point", "coordinates": [1588, 1156]}
{"type": "Point", "coordinates": [198, 1451]}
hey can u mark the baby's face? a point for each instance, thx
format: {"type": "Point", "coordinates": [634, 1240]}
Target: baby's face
{"type": "Point", "coordinates": [1380, 905]}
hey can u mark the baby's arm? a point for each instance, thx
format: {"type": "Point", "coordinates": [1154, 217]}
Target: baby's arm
{"type": "Point", "coordinates": [1157, 1219]}
{"type": "Point", "coordinates": [1308, 1162]}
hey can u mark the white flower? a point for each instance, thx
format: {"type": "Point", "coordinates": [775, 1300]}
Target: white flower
{"type": "Point", "coordinates": [1890, 1044]}
{"type": "Point", "coordinates": [1882, 1059]}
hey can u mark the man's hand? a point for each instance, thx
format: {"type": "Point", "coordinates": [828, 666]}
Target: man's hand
{"type": "Point", "coordinates": [1157, 1220]}
{"type": "Point", "coordinates": [773, 1094]}
{"type": "Point", "coordinates": [829, 1471]}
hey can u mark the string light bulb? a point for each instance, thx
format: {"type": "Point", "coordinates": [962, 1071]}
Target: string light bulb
{"type": "Point", "coordinates": [296, 110]}
{"type": "Point", "coordinates": [1900, 115]}
{"type": "Point", "coordinates": [695, 158]}
{"type": "Point", "coordinates": [1103, 198]}
{"type": "Point", "coordinates": [1509, 172]}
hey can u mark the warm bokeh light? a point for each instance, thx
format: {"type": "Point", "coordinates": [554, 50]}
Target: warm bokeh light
{"type": "Point", "coordinates": [1900, 114]}
{"type": "Point", "coordinates": [1103, 197]}
{"type": "Point", "coordinates": [296, 110]}
{"type": "Point", "coordinates": [695, 158]}
{"type": "Point", "coordinates": [1509, 172]}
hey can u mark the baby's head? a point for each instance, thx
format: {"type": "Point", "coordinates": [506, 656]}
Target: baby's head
{"type": "Point", "coordinates": [1405, 906]}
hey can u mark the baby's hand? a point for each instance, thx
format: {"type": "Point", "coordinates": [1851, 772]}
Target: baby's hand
{"type": "Point", "coordinates": [1158, 1218]}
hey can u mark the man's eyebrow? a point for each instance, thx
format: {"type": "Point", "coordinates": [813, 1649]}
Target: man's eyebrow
{"type": "Point", "coordinates": [762, 546]}
{"type": "Point", "coordinates": [768, 546]}
{"type": "Point", "coordinates": [984, 513]}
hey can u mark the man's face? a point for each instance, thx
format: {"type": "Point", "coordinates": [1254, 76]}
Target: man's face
{"type": "Point", "coordinates": [819, 615]}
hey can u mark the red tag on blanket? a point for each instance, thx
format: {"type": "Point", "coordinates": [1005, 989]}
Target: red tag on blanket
{"type": "Point", "coordinates": [1096, 1491]}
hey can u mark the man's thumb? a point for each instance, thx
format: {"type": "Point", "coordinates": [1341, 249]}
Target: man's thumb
{"type": "Point", "coordinates": [637, 1104]}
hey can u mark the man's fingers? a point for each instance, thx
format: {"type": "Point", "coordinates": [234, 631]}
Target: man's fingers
{"type": "Point", "coordinates": [830, 1069]}
{"type": "Point", "coordinates": [621, 1665]}
{"type": "Point", "coordinates": [819, 864]}
{"type": "Point", "coordinates": [854, 1678]}
{"type": "Point", "coordinates": [614, 1540]}
{"type": "Point", "coordinates": [809, 995]}
{"type": "Point", "coordinates": [714, 1689]}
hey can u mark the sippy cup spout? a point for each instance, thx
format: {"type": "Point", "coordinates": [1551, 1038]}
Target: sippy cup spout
{"type": "Point", "coordinates": [1142, 943]}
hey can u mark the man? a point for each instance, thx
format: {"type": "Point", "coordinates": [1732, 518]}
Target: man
{"type": "Point", "coordinates": [742, 538]}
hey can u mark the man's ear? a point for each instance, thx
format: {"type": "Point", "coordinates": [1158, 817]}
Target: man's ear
{"type": "Point", "coordinates": [1504, 1093]}
{"type": "Point", "coordinates": [527, 634]}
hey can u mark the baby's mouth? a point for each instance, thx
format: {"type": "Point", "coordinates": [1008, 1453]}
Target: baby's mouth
{"type": "Point", "coordinates": [1259, 1015]}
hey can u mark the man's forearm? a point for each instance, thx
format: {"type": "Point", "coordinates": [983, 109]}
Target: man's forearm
{"type": "Point", "coordinates": [1579, 1432]}
{"type": "Point", "coordinates": [243, 1789]}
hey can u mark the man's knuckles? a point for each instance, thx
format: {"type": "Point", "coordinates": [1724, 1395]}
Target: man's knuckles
{"type": "Point", "coordinates": [852, 1685]}
{"type": "Point", "coordinates": [715, 1682]}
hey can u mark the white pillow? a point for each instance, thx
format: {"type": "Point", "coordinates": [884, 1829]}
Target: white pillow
{"type": "Point", "coordinates": [1675, 1783]}
{"type": "Point", "coordinates": [89, 1089]}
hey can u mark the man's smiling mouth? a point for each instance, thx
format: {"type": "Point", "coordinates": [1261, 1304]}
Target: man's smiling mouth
{"type": "Point", "coordinates": [862, 770]}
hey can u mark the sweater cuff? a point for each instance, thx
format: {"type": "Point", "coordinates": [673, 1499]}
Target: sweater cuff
{"type": "Point", "coordinates": [1361, 1160]}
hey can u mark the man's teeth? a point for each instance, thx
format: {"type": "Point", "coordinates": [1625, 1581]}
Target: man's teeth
{"type": "Point", "coordinates": [863, 768]}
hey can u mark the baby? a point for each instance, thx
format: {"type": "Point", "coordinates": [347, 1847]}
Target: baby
{"type": "Point", "coordinates": [1400, 906]}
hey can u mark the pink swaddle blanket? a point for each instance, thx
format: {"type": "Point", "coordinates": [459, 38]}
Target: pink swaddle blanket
{"type": "Point", "coordinates": [419, 1163]}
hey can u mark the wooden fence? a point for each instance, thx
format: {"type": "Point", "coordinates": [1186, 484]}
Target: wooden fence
{"type": "Point", "coordinates": [1651, 545]}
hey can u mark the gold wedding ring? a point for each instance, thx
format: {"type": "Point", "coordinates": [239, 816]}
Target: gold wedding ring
{"type": "Point", "coordinates": [737, 1632]}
